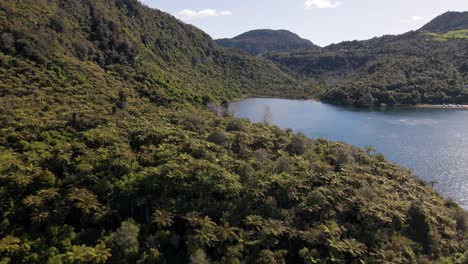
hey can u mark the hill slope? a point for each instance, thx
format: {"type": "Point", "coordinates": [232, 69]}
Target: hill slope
{"type": "Point", "coordinates": [108, 155]}
{"type": "Point", "coordinates": [136, 38]}
{"type": "Point", "coordinates": [449, 21]}
{"type": "Point", "coordinates": [257, 42]}
{"type": "Point", "coordinates": [416, 67]}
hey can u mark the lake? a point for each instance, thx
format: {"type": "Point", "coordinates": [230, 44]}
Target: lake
{"type": "Point", "coordinates": [433, 143]}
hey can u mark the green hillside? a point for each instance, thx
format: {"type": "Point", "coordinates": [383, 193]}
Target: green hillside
{"type": "Point", "coordinates": [413, 68]}
{"type": "Point", "coordinates": [114, 149]}
{"type": "Point", "coordinates": [261, 41]}
{"type": "Point", "coordinates": [455, 34]}
{"type": "Point", "coordinates": [448, 21]}
{"type": "Point", "coordinates": [139, 44]}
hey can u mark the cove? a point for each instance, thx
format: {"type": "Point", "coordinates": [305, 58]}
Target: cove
{"type": "Point", "coordinates": [433, 143]}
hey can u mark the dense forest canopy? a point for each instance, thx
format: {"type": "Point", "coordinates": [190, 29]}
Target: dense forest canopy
{"type": "Point", "coordinates": [115, 147]}
{"type": "Point", "coordinates": [261, 41]}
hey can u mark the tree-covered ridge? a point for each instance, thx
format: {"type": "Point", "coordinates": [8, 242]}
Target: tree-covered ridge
{"type": "Point", "coordinates": [142, 44]}
{"type": "Point", "coordinates": [408, 69]}
{"type": "Point", "coordinates": [448, 21]}
{"type": "Point", "coordinates": [114, 159]}
{"type": "Point", "coordinates": [261, 41]}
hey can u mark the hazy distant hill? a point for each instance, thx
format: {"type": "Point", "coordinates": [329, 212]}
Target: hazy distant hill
{"type": "Point", "coordinates": [448, 22]}
{"type": "Point", "coordinates": [262, 41]}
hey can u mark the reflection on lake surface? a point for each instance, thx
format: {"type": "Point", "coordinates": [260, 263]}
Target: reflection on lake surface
{"type": "Point", "coordinates": [431, 142]}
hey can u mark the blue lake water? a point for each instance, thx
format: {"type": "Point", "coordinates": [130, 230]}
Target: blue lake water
{"type": "Point", "coordinates": [433, 143]}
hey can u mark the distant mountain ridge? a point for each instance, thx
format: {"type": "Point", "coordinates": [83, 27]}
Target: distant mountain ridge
{"type": "Point", "coordinates": [447, 22]}
{"type": "Point", "coordinates": [260, 41]}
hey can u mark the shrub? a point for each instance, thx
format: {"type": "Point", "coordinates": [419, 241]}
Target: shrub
{"type": "Point", "coordinates": [57, 23]}
{"type": "Point", "coordinates": [245, 172]}
{"type": "Point", "coordinates": [124, 241]}
{"type": "Point", "coordinates": [298, 145]}
{"type": "Point", "coordinates": [420, 227]}
{"type": "Point", "coordinates": [7, 42]}
{"type": "Point", "coordinates": [283, 164]}
{"type": "Point", "coordinates": [217, 137]}
{"type": "Point", "coordinates": [260, 155]}
{"type": "Point", "coordinates": [380, 157]}
{"type": "Point", "coordinates": [194, 123]}
{"type": "Point", "coordinates": [343, 157]}
{"type": "Point", "coordinates": [461, 220]}
{"type": "Point", "coordinates": [235, 125]}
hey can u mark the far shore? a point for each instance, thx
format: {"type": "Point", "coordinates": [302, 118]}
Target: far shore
{"type": "Point", "coordinates": [422, 106]}
{"type": "Point", "coordinates": [450, 106]}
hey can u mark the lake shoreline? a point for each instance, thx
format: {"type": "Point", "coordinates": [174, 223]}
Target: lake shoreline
{"type": "Point", "coordinates": [452, 107]}
{"type": "Point", "coordinates": [419, 106]}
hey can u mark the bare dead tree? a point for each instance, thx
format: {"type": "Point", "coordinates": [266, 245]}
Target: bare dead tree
{"type": "Point", "coordinates": [267, 115]}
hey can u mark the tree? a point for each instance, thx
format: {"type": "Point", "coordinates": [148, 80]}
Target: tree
{"type": "Point", "coordinates": [199, 257]}
{"type": "Point", "coordinates": [124, 242]}
{"type": "Point", "coordinates": [267, 115]}
{"type": "Point", "coordinates": [365, 100]}
{"type": "Point", "coordinates": [84, 254]}
{"type": "Point", "coordinates": [7, 42]}
{"type": "Point", "coordinates": [57, 22]}
{"type": "Point", "coordinates": [9, 245]}
{"type": "Point", "coordinates": [235, 125]}
{"type": "Point", "coordinates": [298, 145]}
{"type": "Point", "coordinates": [122, 101]}
{"type": "Point", "coordinates": [420, 227]}
{"type": "Point", "coordinates": [369, 149]}
{"type": "Point", "coordinates": [217, 137]}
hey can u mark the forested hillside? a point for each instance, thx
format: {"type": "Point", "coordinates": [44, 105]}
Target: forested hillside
{"type": "Point", "coordinates": [413, 68]}
{"type": "Point", "coordinates": [139, 44]}
{"type": "Point", "coordinates": [448, 21]}
{"type": "Point", "coordinates": [113, 149]}
{"type": "Point", "coordinates": [261, 41]}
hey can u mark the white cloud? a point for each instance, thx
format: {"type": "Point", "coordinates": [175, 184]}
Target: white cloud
{"type": "Point", "coordinates": [311, 4]}
{"type": "Point", "coordinates": [188, 14]}
{"type": "Point", "coordinates": [412, 19]}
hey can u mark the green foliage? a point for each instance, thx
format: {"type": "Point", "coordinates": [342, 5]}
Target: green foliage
{"type": "Point", "coordinates": [217, 137]}
{"type": "Point", "coordinates": [124, 242]}
{"type": "Point", "coordinates": [83, 254]}
{"type": "Point", "coordinates": [235, 125]}
{"type": "Point", "coordinates": [107, 155]}
{"type": "Point", "coordinates": [298, 145]}
{"type": "Point", "coordinates": [456, 34]}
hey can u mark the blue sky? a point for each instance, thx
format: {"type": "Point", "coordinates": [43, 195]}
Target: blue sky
{"type": "Point", "coordinates": [322, 21]}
